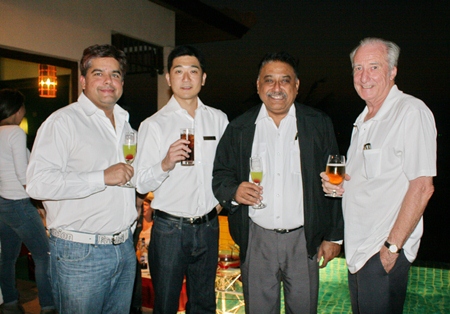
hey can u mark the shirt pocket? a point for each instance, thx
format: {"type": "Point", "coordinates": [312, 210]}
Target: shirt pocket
{"type": "Point", "coordinates": [295, 157]}
{"type": "Point", "coordinates": [208, 147]}
{"type": "Point", "coordinates": [372, 162]}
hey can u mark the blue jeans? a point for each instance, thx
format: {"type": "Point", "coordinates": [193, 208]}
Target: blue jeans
{"type": "Point", "coordinates": [20, 222]}
{"type": "Point", "coordinates": [89, 278]}
{"type": "Point", "coordinates": [178, 250]}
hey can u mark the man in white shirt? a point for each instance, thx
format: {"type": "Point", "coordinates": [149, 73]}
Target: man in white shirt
{"type": "Point", "coordinates": [390, 169]}
{"type": "Point", "coordinates": [184, 240]}
{"type": "Point", "coordinates": [284, 241]}
{"type": "Point", "coordinates": [77, 168]}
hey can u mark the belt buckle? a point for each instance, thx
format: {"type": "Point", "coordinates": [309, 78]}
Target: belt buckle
{"type": "Point", "coordinates": [117, 238]}
{"type": "Point", "coordinates": [193, 220]}
{"type": "Point", "coordinates": [282, 231]}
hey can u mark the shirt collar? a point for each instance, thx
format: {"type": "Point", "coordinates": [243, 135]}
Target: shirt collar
{"type": "Point", "coordinates": [89, 108]}
{"type": "Point", "coordinates": [173, 105]}
{"type": "Point", "coordinates": [263, 114]}
{"type": "Point", "coordinates": [87, 105]}
{"type": "Point", "coordinates": [388, 103]}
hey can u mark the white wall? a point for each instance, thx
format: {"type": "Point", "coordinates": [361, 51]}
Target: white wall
{"type": "Point", "coordinates": [63, 28]}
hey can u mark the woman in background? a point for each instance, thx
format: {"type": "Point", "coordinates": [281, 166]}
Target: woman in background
{"type": "Point", "coordinates": [143, 228]}
{"type": "Point", "coordinates": [19, 219]}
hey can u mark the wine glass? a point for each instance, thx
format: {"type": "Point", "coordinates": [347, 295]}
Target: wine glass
{"type": "Point", "coordinates": [256, 173]}
{"type": "Point", "coordinates": [335, 171]}
{"type": "Point", "coordinates": [129, 152]}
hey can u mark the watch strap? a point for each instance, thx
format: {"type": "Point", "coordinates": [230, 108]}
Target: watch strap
{"type": "Point", "coordinates": [388, 245]}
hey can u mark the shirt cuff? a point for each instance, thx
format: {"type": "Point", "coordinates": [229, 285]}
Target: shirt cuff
{"type": "Point", "coordinates": [97, 178]}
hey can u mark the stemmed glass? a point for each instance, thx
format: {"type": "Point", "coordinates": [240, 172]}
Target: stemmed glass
{"type": "Point", "coordinates": [335, 171]}
{"type": "Point", "coordinates": [129, 152]}
{"type": "Point", "coordinates": [256, 173]}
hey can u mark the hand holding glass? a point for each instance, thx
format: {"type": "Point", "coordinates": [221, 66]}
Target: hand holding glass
{"type": "Point", "coordinates": [256, 173]}
{"type": "Point", "coordinates": [335, 171]}
{"type": "Point", "coordinates": [129, 152]}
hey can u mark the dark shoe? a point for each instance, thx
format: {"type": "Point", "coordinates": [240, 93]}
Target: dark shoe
{"type": "Point", "coordinates": [12, 308]}
{"type": "Point", "coordinates": [49, 311]}
{"type": "Point", "coordinates": [135, 310]}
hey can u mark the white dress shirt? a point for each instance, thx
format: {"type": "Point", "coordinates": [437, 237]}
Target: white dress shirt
{"type": "Point", "coordinates": [402, 136]}
{"type": "Point", "coordinates": [185, 191]}
{"type": "Point", "coordinates": [72, 149]}
{"type": "Point", "coordinates": [282, 177]}
{"type": "Point", "coordinates": [13, 162]}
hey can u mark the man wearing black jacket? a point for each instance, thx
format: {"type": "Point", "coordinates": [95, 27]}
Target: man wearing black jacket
{"type": "Point", "coordinates": [285, 241]}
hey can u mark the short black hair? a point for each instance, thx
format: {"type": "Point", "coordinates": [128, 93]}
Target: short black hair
{"type": "Point", "coordinates": [11, 100]}
{"type": "Point", "coordinates": [186, 50]}
{"type": "Point", "coordinates": [102, 51]}
{"type": "Point", "coordinates": [281, 57]}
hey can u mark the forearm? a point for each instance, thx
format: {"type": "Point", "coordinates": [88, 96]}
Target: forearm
{"type": "Point", "coordinates": [416, 199]}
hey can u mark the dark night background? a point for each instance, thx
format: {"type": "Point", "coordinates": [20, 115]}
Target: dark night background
{"type": "Point", "coordinates": [321, 35]}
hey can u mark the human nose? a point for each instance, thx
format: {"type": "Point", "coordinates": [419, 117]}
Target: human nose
{"type": "Point", "coordinates": [186, 77]}
{"type": "Point", "coordinates": [107, 78]}
{"type": "Point", "coordinates": [364, 76]}
{"type": "Point", "coordinates": [276, 86]}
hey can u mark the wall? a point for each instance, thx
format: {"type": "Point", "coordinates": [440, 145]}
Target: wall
{"type": "Point", "coordinates": [64, 28]}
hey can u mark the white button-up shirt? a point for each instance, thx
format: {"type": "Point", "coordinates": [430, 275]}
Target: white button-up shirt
{"type": "Point", "coordinates": [72, 149]}
{"type": "Point", "coordinates": [185, 191]}
{"type": "Point", "coordinates": [402, 138]}
{"type": "Point", "coordinates": [282, 177]}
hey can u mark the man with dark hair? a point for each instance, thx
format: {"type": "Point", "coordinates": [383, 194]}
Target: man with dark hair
{"type": "Point", "coordinates": [77, 168]}
{"type": "Point", "coordinates": [285, 241]}
{"type": "Point", "coordinates": [390, 170]}
{"type": "Point", "coordinates": [184, 240]}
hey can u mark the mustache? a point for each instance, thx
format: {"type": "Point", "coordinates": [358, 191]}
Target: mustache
{"type": "Point", "coordinates": [277, 94]}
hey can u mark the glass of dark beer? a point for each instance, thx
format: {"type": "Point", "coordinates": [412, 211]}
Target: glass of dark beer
{"type": "Point", "coordinates": [188, 134]}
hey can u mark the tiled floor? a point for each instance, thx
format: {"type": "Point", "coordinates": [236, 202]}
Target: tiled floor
{"type": "Point", "coordinates": [428, 290]}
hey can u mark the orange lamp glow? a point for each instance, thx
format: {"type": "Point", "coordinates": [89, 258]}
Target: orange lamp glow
{"type": "Point", "coordinates": [47, 81]}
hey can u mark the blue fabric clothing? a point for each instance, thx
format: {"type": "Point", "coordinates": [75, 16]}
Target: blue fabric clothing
{"type": "Point", "coordinates": [177, 249]}
{"type": "Point", "coordinates": [20, 222]}
{"type": "Point", "coordinates": [92, 279]}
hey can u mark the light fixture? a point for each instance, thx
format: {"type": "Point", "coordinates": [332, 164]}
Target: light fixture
{"type": "Point", "coordinates": [47, 81]}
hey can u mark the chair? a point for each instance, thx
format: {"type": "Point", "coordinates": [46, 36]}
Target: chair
{"type": "Point", "coordinates": [229, 295]}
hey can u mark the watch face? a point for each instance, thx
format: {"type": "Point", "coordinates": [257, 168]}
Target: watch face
{"type": "Point", "coordinates": [393, 248]}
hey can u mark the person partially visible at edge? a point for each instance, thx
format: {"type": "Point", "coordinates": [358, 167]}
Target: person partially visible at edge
{"type": "Point", "coordinates": [77, 168]}
{"type": "Point", "coordinates": [284, 242]}
{"type": "Point", "coordinates": [184, 236]}
{"type": "Point", "coordinates": [142, 231]}
{"type": "Point", "coordinates": [390, 170]}
{"type": "Point", "coordinates": [19, 218]}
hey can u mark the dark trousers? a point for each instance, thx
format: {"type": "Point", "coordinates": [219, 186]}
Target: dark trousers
{"type": "Point", "coordinates": [372, 290]}
{"type": "Point", "coordinates": [179, 250]}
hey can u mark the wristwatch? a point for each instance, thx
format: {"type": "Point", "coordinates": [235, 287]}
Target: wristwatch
{"type": "Point", "coordinates": [392, 247]}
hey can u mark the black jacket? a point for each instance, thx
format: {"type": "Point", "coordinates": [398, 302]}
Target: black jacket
{"type": "Point", "coordinates": [322, 215]}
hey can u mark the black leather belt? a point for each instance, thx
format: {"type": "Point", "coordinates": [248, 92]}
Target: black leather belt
{"type": "Point", "coordinates": [286, 230]}
{"type": "Point", "coordinates": [193, 221]}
